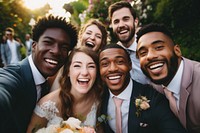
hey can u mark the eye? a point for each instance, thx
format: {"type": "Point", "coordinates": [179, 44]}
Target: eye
{"type": "Point", "coordinates": [104, 64]}
{"type": "Point", "coordinates": [92, 66]}
{"type": "Point", "coordinates": [65, 47]}
{"type": "Point", "coordinates": [99, 36]}
{"type": "Point", "coordinates": [88, 33]}
{"type": "Point", "coordinates": [115, 21]}
{"type": "Point", "coordinates": [47, 42]}
{"type": "Point", "coordinates": [142, 53]}
{"type": "Point", "coordinates": [120, 61]}
{"type": "Point", "coordinates": [126, 18]}
{"type": "Point", "coordinates": [159, 47]}
{"type": "Point", "coordinates": [76, 65]}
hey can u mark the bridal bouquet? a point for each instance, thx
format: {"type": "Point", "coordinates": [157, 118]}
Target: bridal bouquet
{"type": "Point", "coordinates": [72, 125]}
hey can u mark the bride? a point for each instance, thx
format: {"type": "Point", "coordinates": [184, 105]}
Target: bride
{"type": "Point", "coordinates": [79, 94]}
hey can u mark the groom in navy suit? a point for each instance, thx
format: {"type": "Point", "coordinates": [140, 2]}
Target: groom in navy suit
{"type": "Point", "coordinates": [151, 116]}
{"type": "Point", "coordinates": [21, 84]}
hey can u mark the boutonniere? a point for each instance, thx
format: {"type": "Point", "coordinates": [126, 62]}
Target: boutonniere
{"type": "Point", "coordinates": [141, 103]}
{"type": "Point", "coordinates": [103, 118]}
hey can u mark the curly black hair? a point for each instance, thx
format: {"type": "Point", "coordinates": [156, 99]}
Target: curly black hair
{"type": "Point", "coordinates": [55, 22]}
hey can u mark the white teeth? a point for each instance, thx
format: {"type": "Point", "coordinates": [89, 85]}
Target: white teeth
{"type": "Point", "coordinates": [52, 61]}
{"type": "Point", "coordinates": [90, 43]}
{"type": "Point", "coordinates": [83, 80]}
{"type": "Point", "coordinates": [114, 77]}
{"type": "Point", "coordinates": [123, 31]}
{"type": "Point", "coordinates": [156, 65]}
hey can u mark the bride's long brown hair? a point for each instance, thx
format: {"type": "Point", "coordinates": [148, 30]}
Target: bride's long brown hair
{"type": "Point", "coordinates": [66, 97]}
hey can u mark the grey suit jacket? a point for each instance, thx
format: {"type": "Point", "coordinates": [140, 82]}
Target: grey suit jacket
{"type": "Point", "coordinates": [158, 118]}
{"type": "Point", "coordinates": [17, 97]}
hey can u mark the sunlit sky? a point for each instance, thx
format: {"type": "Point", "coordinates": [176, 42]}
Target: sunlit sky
{"type": "Point", "coordinates": [56, 6]}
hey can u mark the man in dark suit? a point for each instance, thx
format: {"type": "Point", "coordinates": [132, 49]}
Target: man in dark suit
{"type": "Point", "coordinates": [153, 115]}
{"type": "Point", "coordinates": [161, 61]}
{"type": "Point", "coordinates": [20, 85]}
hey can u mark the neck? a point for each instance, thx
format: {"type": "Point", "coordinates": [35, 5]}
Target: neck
{"type": "Point", "coordinates": [128, 44]}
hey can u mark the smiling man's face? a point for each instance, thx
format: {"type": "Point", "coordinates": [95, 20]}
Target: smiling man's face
{"type": "Point", "coordinates": [159, 57]}
{"type": "Point", "coordinates": [114, 69]}
{"type": "Point", "coordinates": [51, 51]}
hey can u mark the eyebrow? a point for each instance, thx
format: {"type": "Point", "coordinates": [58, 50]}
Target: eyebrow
{"type": "Point", "coordinates": [119, 56]}
{"type": "Point", "coordinates": [157, 41]}
{"type": "Point", "coordinates": [82, 62]}
{"type": "Point", "coordinates": [152, 43]}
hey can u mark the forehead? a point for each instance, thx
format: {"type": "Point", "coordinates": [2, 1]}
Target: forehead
{"type": "Point", "coordinates": [112, 53]}
{"type": "Point", "coordinates": [120, 13]}
{"type": "Point", "coordinates": [93, 28]}
{"type": "Point", "coordinates": [57, 34]}
{"type": "Point", "coordinates": [81, 57]}
{"type": "Point", "coordinates": [151, 37]}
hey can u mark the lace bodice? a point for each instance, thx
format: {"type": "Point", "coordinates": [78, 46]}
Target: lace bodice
{"type": "Point", "coordinates": [49, 110]}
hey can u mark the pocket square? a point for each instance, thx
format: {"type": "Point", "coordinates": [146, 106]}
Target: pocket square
{"type": "Point", "coordinates": [143, 124]}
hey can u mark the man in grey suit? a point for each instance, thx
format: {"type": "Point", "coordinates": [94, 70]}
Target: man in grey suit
{"type": "Point", "coordinates": [21, 84]}
{"type": "Point", "coordinates": [144, 110]}
{"type": "Point", "coordinates": [161, 61]}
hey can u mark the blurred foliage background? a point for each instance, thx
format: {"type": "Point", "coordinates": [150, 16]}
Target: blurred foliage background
{"type": "Point", "coordinates": [182, 17]}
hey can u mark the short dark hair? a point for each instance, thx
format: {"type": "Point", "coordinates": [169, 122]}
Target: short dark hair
{"type": "Point", "coordinates": [55, 22]}
{"type": "Point", "coordinates": [118, 5]}
{"type": "Point", "coordinates": [114, 45]}
{"type": "Point", "coordinates": [154, 27]}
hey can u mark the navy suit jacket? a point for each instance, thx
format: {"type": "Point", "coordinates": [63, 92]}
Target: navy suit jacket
{"type": "Point", "coordinates": [17, 97]}
{"type": "Point", "coordinates": [158, 118]}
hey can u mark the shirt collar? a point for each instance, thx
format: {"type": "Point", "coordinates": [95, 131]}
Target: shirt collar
{"type": "Point", "coordinates": [175, 85]}
{"type": "Point", "coordinates": [37, 76]}
{"type": "Point", "coordinates": [132, 47]}
{"type": "Point", "coordinates": [125, 95]}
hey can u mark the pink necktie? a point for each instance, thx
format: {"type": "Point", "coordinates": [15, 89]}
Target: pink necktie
{"type": "Point", "coordinates": [118, 103]}
{"type": "Point", "coordinates": [172, 101]}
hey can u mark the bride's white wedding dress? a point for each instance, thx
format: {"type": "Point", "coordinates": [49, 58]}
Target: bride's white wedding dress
{"type": "Point", "coordinates": [49, 110]}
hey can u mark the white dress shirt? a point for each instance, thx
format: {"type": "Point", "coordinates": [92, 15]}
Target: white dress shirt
{"type": "Point", "coordinates": [175, 85]}
{"type": "Point", "coordinates": [126, 96]}
{"type": "Point", "coordinates": [37, 76]}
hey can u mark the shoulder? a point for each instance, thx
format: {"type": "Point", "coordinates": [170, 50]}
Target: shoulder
{"type": "Point", "coordinates": [51, 99]}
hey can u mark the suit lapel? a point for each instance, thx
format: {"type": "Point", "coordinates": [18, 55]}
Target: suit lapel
{"type": "Point", "coordinates": [133, 120]}
{"type": "Point", "coordinates": [28, 79]}
{"type": "Point", "coordinates": [104, 110]}
{"type": "Point", "coordinates": [184, 92]}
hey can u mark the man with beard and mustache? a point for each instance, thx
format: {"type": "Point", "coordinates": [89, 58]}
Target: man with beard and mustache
{"type": "Point", "coordinates": [161, 61]}
{"type": "Point", "coordinates": [123, 20]}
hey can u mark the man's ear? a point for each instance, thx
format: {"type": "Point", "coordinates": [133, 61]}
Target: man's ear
{"type": "Point", "coordinates": [177, 50]}
{"type": "Point", "coordinates": [33, 46]}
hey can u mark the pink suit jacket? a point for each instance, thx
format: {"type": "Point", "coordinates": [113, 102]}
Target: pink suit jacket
{"type": "Point", "coordinates": [189, 106]}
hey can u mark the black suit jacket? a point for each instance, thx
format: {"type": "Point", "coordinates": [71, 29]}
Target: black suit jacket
{"type": "Point", "coordinates": [17, 97]}
{"type": "Point", "coordinates": [158, 118]}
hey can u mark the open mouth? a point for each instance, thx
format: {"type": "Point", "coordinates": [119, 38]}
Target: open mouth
{"type": "Point", "coordinates": [52, 62]}
{"type": "Point", "coordinates": [123, 31]}
{"type": "Point", "coordinates": [156, 66]}
{"type": "Point", "coordinates": [89, 44]}
{"type": "Point", "coordinates": [114, 77]}
{"type": "Point", "coordinates": [83, 81]}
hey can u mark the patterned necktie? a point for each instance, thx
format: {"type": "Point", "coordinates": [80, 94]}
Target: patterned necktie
{"type": "Point", "coordinates": [172, 101]}
{"type": "Point", "coordinates": [118, 103]}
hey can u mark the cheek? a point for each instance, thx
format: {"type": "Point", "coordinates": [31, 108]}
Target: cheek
{"type": "Point", "coordinates": [102, 72]}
